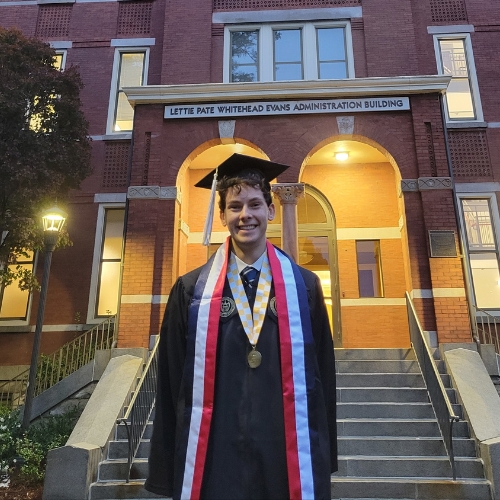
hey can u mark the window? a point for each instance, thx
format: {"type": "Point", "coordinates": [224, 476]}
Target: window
{"type": "Point", "coordinates": [14, 302]}
{"type": "Point", "coordinates": [105, 282]}
{"type": "Point", "coordinates": [483, 252]}
{"type": "Point", "coordinates": [129, 70]}
{"type": "Point", "coordinates": [369, 268]}
{"type": "Point", "coordinates": [454, 58]}
{"type": "Point", "coordinates": [308, 51]}
{"type": "Point", "coordinates": [60, 60]}
{"type": "Point", "coordinates": [110, 262]}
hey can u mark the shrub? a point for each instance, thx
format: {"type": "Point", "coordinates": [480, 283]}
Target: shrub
{"type": "Point", "coordinates": [44, 435]}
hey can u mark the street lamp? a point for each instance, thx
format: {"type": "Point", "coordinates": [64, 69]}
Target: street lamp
{"type": "Point", "coordinates": [53, 221]}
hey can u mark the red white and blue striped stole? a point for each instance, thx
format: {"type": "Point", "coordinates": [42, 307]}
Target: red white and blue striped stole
{"type": "Point", "coordinates": [297, 372]}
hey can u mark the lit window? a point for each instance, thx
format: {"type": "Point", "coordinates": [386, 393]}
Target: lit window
{"type": "Point", "coordinates": [129, 71]}
{"type": "Point", "coordinates": [483, 254]}
{"type": "Point", "coordinates": [60, 60]}
{"type": "Point", "coordinates": [454, 56]}
{"type": "Point", "coordinates": [369, 268]}
{"type": "Point", "coordinates": [14, 302]}
{"type": "Point", "coordinates": [308, 51]}
{"type": "Point", "coordinates": [110, 262]}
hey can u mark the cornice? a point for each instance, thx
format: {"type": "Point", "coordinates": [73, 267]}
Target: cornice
{"type": "Point", "coordinates": [213, 92]}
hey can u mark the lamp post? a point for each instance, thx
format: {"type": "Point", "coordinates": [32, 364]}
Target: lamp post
{"type": "Point", "coordinates": [53, 221]}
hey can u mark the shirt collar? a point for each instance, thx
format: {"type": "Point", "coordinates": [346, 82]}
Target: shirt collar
{"type": "Point", "coordinates": [256, 265]}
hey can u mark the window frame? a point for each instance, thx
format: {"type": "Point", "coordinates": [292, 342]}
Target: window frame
{"type": "Point", "coordinates": [26, 321]}
{"type": "Point", "coordinates": [471, 69]}
{"type": "Point", "coordinates": [378, 264]}
{"type": "Point", "coordinates": [64, 54]}
{"type": "Point", "coordinates": [92, 317]}
{"type": "Point", "coordinates": [115, 91]}
{"type": "Point", "coordinates": [310, 64]}
{"type": "Point", "coordinates": [495, 223]}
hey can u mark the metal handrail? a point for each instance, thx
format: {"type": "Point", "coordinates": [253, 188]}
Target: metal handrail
{"type": "Point", "coordinates": [140, 407]}
{"type": "Point", "coordinates": [54, 367]}
{"type": "Point", "coordinates": [437, 392]}
{"type": "Point", "coordinates": [485, 328]}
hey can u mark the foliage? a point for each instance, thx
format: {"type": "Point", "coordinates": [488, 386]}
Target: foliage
{"type": "Point", "coordinates": [44, 435]}
{"type": "Point", "coordinates": [10, 432]}
{"type": "Point", "coordinates": [44, 146]}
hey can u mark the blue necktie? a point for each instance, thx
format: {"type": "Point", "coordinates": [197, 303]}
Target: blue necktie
{"type": "Point", "coordinates": [250, 279]}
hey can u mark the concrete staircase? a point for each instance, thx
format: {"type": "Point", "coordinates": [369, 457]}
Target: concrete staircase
{"type": "Point", "coordinates": [390, 445]}
{"type": "Point", "coordinates": [389, 441]}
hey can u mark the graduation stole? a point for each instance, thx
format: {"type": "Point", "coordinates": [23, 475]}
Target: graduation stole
{"type": "Point", "coordinates": [297, 353]}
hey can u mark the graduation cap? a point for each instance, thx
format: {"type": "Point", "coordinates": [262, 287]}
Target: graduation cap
{"type": "Point", "coordinates": [235, 165]}
{"type": "Point", "coordinates": [238, 163]}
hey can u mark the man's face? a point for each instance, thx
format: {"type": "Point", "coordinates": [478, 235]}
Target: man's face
{"type": "Point", "coordinates": [246, 215]}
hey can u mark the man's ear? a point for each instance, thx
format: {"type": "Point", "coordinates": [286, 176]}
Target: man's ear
{"type": "Point", "coordinates": [272, 211]}
{"type": "Point", "coordinates": [222, 218]}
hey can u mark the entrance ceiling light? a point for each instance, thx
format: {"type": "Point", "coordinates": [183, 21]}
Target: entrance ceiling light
{"type": "Point", "coordinates": [342, 155]}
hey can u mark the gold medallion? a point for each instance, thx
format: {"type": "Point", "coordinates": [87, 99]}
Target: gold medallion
{"type": "Point", "coordinates": [254, 358]}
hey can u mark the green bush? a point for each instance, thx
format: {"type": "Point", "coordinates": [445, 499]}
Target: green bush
{"type": "Point", "coordinates": [44, 435]}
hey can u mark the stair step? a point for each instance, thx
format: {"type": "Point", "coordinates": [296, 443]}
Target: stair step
{"type": "Point", "coordinates": [404, 489]}
{"type": "Point", "coordinates": [119, 489]}
{"type": "Point", "coordinates": [394, 427]}
{"type": "Point", "coordinates": [380, 380]}
{"type": "Point", "coordinates": [382, 394]}
{"type": "Point", "coordinates": [384, 410]}
{"type": "Point", "coordinates": [420, 467]}
{"type": "Point", "coordinates": [374, 354]}
{"type": "Point", "coordinates": [377, 366]}
{"type": "Point", "coordinates": [403, 446]}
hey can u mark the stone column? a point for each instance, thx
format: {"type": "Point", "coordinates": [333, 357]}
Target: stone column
{"type": "Point", "coordinates": [288, 196]}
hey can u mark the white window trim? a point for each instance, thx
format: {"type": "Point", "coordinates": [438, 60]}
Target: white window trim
{"type": "Point", "coordinates": [94, 279]}
{"type": "Point", "coordinates": [495, 220]}
{"type": "Point", "coordinates": [476, 99]}
{"type": "Point", "coordinates": [309, 50]}
{"type": "Point", "coordinates": [64, 54]}
{"type": "Point", "coordinates": [114, 82]}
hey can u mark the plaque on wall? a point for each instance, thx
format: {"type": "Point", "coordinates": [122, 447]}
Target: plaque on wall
{"type": "Point", "coordinates": [442, 243]}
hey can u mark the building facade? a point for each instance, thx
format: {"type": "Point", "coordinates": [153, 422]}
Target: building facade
{"type": "Point", "coordinates": [386, 111]}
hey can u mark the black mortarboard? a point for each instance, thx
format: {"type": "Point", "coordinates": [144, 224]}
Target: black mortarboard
{"type": "Point", "coordinates": [236, 163]}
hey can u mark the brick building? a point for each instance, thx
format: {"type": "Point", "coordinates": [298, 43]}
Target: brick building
{"type": "Point", "coordinates": [387, 112]}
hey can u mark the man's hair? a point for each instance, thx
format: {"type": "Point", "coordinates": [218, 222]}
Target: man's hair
{"type": "Point", "coordinates": [251, 177]}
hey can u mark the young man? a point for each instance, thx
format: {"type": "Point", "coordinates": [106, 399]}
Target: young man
{"type": "Point", "coordinates": [245, 405]}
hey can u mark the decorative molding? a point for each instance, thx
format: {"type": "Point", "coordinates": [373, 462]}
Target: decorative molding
{"type": "Point", "coordinates": [152, 192]}
{"type": "Point", "coordinates": [168, 193]}
{"type": "Point", "coordinates": [368, 233]}
{"type": "Point", "coordinates": [477, 187]}
{"type": "Point", "coordinates": [409, 185]}
{"type": "Point", "coordinates": [226, 131]}
{"type": "Point", "coordinates": [267, 16]}
{"type": "Point", "coordinates": [382, 301]}
{"type": "Point", "coordinates": [60, 44]}
{"type": "Point", "coordinates": [243, 91]}
{"type": "Point", "coordinates": [184, 228]}
{"type": "Point", "coordinates": [136, 299]}
{"type": "Point", "coordinates": [196, 237]}
{"type": "Point", "coordinates": [132, 42]}
{"type": "Point", "coordinates": [426, 293]}
{"type": "Point", "coordinates": [426, 183]}
{"type": "Point", "coordinates": [288, 193]}
{"type": "Point", "coordinates": [470, 124]}
{"type": "Point", "coordinates": [345, 125]}
{"type": "Point", "coordinates": [421, 293]}
{"type": "Point", "coordinates": [456, 28]}
{"type": "Point", "coordinates": [110, 197]}
{"type": "Point", "coordinates": [143, 192]}
{"type": "Point", "coordinates": [126, 136]}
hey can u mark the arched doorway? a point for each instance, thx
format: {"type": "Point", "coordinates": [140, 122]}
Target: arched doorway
{"type": "Point", "coordinates": [362, 185]}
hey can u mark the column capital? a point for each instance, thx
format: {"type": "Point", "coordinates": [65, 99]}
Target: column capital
{"type": "Point", "coordinates": [288, 193]}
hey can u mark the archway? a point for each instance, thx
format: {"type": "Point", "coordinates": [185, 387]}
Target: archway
{"type": "Point", "coordinates": [363, 190]}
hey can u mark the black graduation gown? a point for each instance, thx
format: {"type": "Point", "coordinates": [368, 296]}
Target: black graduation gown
{"type": "Point", "coordinates": [246, 453]}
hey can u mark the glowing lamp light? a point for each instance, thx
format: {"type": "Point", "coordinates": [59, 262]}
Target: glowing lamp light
{"type": "Point", "coordinates": [53, 219]}
{"type": "Point", "coordinates": [342, 155]}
